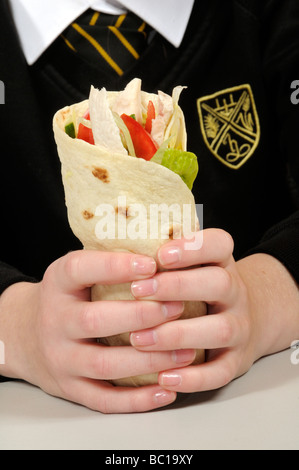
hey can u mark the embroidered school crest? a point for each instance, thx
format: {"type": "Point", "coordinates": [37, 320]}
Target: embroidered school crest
{"type": "Point", "coordinates": [230, 125]}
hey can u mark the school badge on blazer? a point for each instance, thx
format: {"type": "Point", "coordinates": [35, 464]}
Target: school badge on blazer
{"type": "Point", "coordinates": [230, 125]}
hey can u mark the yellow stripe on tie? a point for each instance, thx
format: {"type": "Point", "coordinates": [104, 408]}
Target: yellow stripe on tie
{"type": "Point", "coordinates": [125, 42]}
{"type": "Point", "coordinates": [142, 28]}
{"type": "Point", "coordinates": [94, 18]}
{"type": "Point", "coordinates": [99, 48]}
{"type": "Point", "coordinates": [68, 43]}
{"type": "Point", "coordinates": [120, 21]}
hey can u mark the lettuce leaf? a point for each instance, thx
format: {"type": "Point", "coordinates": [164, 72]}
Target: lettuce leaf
{"type": "Point", "coordinates": [182, 163]}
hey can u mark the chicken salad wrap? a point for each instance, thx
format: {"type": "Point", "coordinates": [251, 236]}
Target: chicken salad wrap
{"type": "Point", "coordinates": [128, 181]}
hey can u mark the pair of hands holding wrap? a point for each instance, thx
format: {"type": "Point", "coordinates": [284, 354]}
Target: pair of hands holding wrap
{"type": "Point", "coordinates": [50, 330]}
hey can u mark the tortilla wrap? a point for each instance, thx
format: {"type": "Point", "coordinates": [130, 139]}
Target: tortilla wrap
{"type": "Point", "coordinates": [109, 198]}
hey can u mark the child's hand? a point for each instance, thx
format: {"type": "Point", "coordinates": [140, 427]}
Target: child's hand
{"type": "Point", "coordinates": [50, 332]}
{"type": "Point", "coordinates": [243, 301]}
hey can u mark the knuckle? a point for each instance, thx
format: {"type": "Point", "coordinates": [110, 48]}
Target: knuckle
{"type": "Point", "coordinates": [172, 336]}
{"type": "Point", "coordinates": [104, 405]}
{"type": "Point", "coordinates": [87, 321]}
{"type": "Point", "coordinates": [227, 373]}
{"type": "Point", "coordinates": [224, 282]}
{"type": "Point", "coordinates": [116, 265]}
{"type": "Point", "coordinates": [151, 362]}
{"type": "Point", "coordinates": [134, 406]}
{"type": "Point", "coordinates": [178, 283]}
{"type": "Point", "coordinates": [64, 389]}
{"type": "Point", "coordinates": [101, 365]}
{"type": "Point", "coordinates": [50, 277]}
{"type": "Point", "coordinates": [109, 263]}
{"type": "Point", "coordinates": [155, 361]}
{"type": "Point", "coordinates": [226, 241]}
{"type": "Point", "coordinates": [140, 315]}
{"type": "Point", "coordinates": [225, 331]}
{"type": "Point", "coordinates": [145, 313]}
{"type": "Point", "coordinates": [72, 265]}
{"type": "Point", "coordinates": [178, 336]}
{"type": "Point", "coordinates": [245, 327]}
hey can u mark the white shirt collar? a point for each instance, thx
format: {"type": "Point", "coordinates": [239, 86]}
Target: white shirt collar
{"type": "Point", "coordinates": [40, 22]}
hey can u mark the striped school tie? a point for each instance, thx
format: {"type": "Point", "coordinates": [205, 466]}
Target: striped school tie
{"type": "Point", "coordinates": [115, 42]}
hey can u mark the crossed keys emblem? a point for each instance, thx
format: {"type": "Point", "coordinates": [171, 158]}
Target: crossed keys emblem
{"type": "Point", "coordinates": [230, 125]}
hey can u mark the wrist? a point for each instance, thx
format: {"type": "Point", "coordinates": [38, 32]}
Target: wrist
{"type": "Point", "coordinates": [274, 300]}
{"type": "Point", "coordinates": [18, 305]}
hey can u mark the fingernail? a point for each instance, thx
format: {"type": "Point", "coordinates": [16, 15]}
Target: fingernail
{"type": "Point", "coordinates": [184, 355]}
{"type": "Point", "coordinates": [164, 397]}
{"type": "Point", "coordinates": [168, 256]}
{"type": "Point", "coordinates": [144, 266]}
{"type": "Point", "coordinates": [144, 288]}
{"type": "Point", "coordinates": [145, 338]}
{"type": "Point", "coordinates": [173, 310]}
{"type": "Point", "coordinates": [171, 380]}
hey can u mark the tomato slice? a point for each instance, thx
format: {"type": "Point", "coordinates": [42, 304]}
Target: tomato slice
{"type": "Point", "coordinates": [144, 145]}
{"type": "Point", "coordinates": [151, 114]}
{"type": "Point", "coordinates": [85, 133]}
